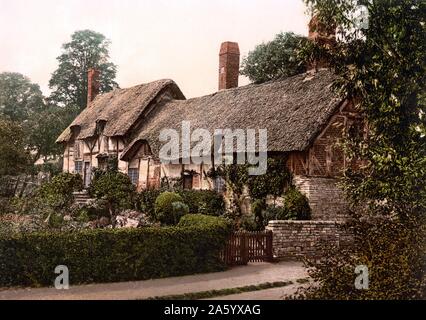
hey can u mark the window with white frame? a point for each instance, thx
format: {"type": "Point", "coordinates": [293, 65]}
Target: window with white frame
{"type": "Point", "coordinates": [78, 167]}
{"type": "Point", "coordinates": [133, 175]}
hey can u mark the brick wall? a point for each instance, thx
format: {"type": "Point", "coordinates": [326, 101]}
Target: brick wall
{"type": "Point", "coordinates": [325, 198]}
{"type": "Point", "coordinates": [297, 239]}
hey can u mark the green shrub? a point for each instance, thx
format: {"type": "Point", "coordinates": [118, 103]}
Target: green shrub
{"type": "Point", "coordinates": [179, 210]}
{"type": "Point", "coordinates": [190, 220]}
{"type": "Point", "coordinates": [203, 201]}
{"type": "Point", "coordinates": [394, 253]}
{"type": "Point", "coordinates": [146, 201]}
{"type": "Point", "coordinates": [250, 222]}
{"type": "Point", "coordinates": [198, 201]}
{"type": "Point", "coordinates": [113, 187]}
{"type": "Point", "coordinates": [296, 206]}
{"type": "Point", "coordinates": [107, 255]}
{"type": "Point", "coordinates": [164, 211]}
{"type": "Point", "coordinates": [58, 193]}
{"type": "Point", "coordinates": [272, 182]}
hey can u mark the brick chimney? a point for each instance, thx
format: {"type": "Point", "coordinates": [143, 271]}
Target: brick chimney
{"type": "Point", "coordinates": [93, 85]}
{"type": "Point", "coordinates": [324, 35]}
{"type": "Point", "coordinates": [229, 65]}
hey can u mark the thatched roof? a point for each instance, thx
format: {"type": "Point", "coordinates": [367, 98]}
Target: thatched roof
{"type": "Point", "coordinates": [293, 110]}
{"type": "Point", "coordinates": [119, 109]}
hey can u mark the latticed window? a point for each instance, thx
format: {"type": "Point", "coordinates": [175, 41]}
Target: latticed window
{"type": "Point", "coordinates": [77, 152]}
{"type": "Point", "coordinates": [78, 167]}
{"type": "Point", "coordinates": [219, 184]}
{"type": "Point", "coordinates": [133, 175]}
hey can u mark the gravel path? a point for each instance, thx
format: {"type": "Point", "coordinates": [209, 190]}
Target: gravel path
{"type": "Point", "coordinates": [252, 274]}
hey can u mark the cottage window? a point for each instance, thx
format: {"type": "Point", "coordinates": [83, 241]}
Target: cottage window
{"type": "Point", "coordinates": [133, 175]}
{"type": "Point", "coordinates": [78, 167]}
{"type": "Point", "coordinates": [219, 184]}
{"type": "Point", "coordinates": [77, 152]}
{"type": "Point", "coordinates": [103, 163]}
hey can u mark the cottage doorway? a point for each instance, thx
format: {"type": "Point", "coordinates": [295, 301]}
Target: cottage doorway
{"type": "Point", "coordinates": [87, 174]}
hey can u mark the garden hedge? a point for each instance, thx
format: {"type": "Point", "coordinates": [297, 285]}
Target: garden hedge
{"type": "Point", "coordinates": [201, 220]}
{"type": "Point", "coordinates": [108, 255]}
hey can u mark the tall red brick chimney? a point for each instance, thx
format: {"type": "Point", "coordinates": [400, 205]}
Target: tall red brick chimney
{"type": "Point", "coordinates": [93, 84]}
{"type": "Point", "coordinates": [229, 65]}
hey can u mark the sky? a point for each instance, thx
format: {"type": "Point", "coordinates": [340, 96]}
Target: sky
{"type": "Point", "coordinates": [150, 39]}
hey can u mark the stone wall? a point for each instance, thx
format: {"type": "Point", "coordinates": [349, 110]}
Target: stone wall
{"type": "Point", "coordinates": [297, 239]}
{"type": "Point", "coordinates": [325, 198]}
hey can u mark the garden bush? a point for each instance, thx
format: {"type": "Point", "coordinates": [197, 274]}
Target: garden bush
{"type": "Point", "coordinates": [164, 209]}
{"type": "Point", "coordinates": [202, 220]}
{"type": "Point", "coordinates": [115, 188]}
{"type": "Point", "coordinates": [203, 201]}
{"type": "Point", "coordinates": [198, 201]}
{"type": "Point", "coordinates": [146, 201]}
{"type": "Point", "coordinates": [296, 206]}
{"type": "Point", "coordinates": [58, 193]}
{"type": "Point", "coordinates": [108, 255]}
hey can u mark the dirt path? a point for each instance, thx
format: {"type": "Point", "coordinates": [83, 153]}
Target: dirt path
{"type": "Point", "coordinates": [254, 273]}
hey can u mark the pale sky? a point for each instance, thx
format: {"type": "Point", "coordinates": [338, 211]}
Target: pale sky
{"type": "Point", "coordinates": [150, 39]}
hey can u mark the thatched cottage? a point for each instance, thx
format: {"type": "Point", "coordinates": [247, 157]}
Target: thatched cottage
{"type": "Point", "coordinates": [303, 117]}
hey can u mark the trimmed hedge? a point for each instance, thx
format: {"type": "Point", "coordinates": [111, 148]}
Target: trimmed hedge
{"type": "Point", "coordinates": [108, 255]}
{"type": "Point", "coordinates": [201, 220]}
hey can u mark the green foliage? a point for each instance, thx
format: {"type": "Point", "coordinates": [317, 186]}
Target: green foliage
{"type": "Point", "coordinates": [115, 188]}
{"type": "Point", "coordinates": [392, 252]}
{"type": "Point", "coordinates": [296, 206]}
{"type": "Point", "coordinates": [382, 68]}
{"type": "Point", "coordinates": [58, 193]}
{"type": "Point", "coordinates": [108, 255]}
{"type": "Point", "coordinates": [164, 209]}
{"type": "Point", "coordinates": [277, 177]}
{"type": "Point", "coordinates": [179, 209]}
{"type": "Point", "coordinates": [273, 182]}
{"type": "Point", "coordinates": [41, 134]}
{"type": "Point", "coordinates": [198, 201]}
{"type": "Point", "coordinates": [276, 59]}
{"type": "Point", "coordinates": [203, 201]}
{"type": "Point", "coordinates": [87, 49]}
{"type": "Point", "coordinates": [14, 158]}
{"type": "Point", "coordinates": [146, 201]}
{"type": "Point", "coordinates": [249, 222]}
{"type": "Point", "coordinates": [255, 220]}
{"type": "Point", "coordinates": [19, 98]}
{"type": "Point", "coordinates": [202, 220]}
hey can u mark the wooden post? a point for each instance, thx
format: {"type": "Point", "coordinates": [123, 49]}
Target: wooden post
{"type": "Point", "coordinates": [244, 248]}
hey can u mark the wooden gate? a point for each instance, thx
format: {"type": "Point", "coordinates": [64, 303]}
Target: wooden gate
{"type": "Point", "coordinates": [244, 246]}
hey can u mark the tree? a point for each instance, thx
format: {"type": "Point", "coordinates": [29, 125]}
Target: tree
{"type": "Point", "coordinates": [114, 187]}
{"type": "Point", "coordinates": [19, 98]}
{"type": "Point", "coordinates": [87, 49]}
{"type": "Point", "coordinates": [275, 59]}
{"type": "Point", "coordinates": [381, 66]}
{"type": "Point", "coordinates": [13, 154]}
{"type": "Point", "coordinates": [43, 129]}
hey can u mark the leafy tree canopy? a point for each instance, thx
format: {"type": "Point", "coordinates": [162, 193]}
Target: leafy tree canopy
{"type": "Point", "coordinates": [19, 98]}
{"type": "Point", "coordinates": [275, 59]}
{"type": "Point", "coordinates": [87, 49]}
{"type": "Point", "coordinates": [14, 158]}
{"type": "Point", "coordinates": [381, 65]}
{"type": "Point", "coordinates": [44, 127]}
